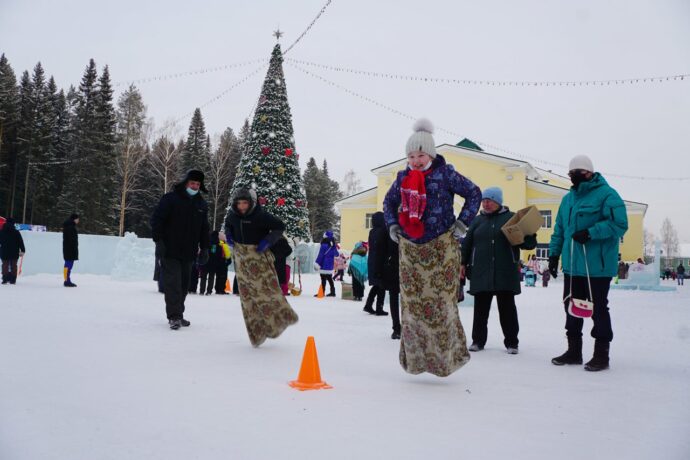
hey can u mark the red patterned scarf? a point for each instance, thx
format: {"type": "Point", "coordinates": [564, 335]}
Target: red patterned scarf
{"type": "Point", "coordinates": [413, 203]}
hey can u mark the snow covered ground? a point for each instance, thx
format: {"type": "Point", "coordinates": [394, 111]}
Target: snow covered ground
{"type": "Point", "coordinates": [95, 373]}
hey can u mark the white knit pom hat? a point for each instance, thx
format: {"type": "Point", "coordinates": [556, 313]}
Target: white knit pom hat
{"type": "Point", "coordinates": [422, 139]}
{"type": "Point", "coordinates": [581, 162]}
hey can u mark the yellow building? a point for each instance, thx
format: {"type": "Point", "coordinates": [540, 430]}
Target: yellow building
{"type": "Point", "coordinates": [523, 185]}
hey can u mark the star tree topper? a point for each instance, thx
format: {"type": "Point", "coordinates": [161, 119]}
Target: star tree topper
{"type": "Point", "coordinates": [277, 34]}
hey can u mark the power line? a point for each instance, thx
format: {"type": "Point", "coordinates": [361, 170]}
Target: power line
{"type": "Point", "coordinates": [520, 83]}
{"type": "Point", "coordinates": [490, 147]}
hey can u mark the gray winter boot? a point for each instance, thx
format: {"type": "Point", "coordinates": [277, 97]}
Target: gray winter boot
{"type": "Point", "coordinates": [573, 354]}
{"type": "Point", "coordinates": [600, 360]}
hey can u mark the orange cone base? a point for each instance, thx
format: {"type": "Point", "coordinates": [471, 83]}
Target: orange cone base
{"type": "Point", "coordinates": [309, 386]}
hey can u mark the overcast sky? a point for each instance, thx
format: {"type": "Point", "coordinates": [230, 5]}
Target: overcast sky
{"type": "Point", "coordinates": [629, 130]}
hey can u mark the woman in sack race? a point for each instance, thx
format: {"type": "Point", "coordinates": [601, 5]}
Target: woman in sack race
{"type": "Point", "coordinates": [491, 264]}
{"type": "Point", "coordinates": [590, 223]}
{"type": "Point", "coordinates": [418, 211]}
{"type": "Point", "coordinates": [251, 232]}
{"type": "Point", "coordinates": [325, 262]}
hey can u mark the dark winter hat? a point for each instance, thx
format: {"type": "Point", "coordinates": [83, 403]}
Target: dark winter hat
{"type": "Point", "coordinates": [74, 216]}
{"type": "Point", "coordinates": [244, 194]}
{"type": "Point", "coordinates": [494, 194]}
{"type": "Point", "coordinates": [328, 234]}
{"type": "Point", "coordinates": [198, 176]}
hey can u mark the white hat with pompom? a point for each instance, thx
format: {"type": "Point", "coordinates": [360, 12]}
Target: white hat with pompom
{"type": "Point", "coordinates": [422, 139]}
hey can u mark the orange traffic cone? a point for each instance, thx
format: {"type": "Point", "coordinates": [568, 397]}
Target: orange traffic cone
{"type": "Point", "coordinates": [309, 374]}
{"type": "Point", "coordinates": [320, 294]}
{"type": "Point", "coordinates": [228, 289]}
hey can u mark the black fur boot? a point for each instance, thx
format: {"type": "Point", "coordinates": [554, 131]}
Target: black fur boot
{"type": "Point", "coordinates": [573, 354]}
{"type": "Point", "coordinates": [600, 360]}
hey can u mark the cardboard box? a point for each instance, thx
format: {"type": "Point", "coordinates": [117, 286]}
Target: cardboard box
{"type": "Point", "coordinates": [525, 222]}
{"type": "Point", "coordinates": [346, 293]}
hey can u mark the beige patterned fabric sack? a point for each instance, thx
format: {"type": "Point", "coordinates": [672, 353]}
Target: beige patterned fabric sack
{"type": "Point", "coordinates": [433, 339]}
{"type": "Point", "coordinates": [266, 311]}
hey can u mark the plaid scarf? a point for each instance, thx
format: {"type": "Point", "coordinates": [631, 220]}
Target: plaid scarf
{"type": "Point", "coordinates": [413, 203]}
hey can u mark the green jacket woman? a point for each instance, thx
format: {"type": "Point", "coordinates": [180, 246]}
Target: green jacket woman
{"type": "Point", "coordinates": [596, 207]}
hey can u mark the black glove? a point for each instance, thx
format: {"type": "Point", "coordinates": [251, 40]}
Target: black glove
{"type": "Point", "coordinates": [203, 257]}
{"type": "Point", "coordinates": [553, 266]}
{"type": "Point", "coordinates": [160, 249]}
{"type": "Point", "coordinates": [582, 236]}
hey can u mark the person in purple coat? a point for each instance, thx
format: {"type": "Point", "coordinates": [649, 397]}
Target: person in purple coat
{"type": "Point", "coordinates": [326, 260]}
{"type": "Point", "coordinates": [419, 214]}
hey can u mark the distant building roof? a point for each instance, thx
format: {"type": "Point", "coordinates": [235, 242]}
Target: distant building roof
{"type": "Point", "coordinates": [468, 144]}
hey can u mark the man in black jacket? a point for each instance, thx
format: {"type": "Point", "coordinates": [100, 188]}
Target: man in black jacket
{"type": "Point", "coordinates": [180, 230]}
{"type": "Point", "coordinates": [11, 249]}
{"type": "Point", "coordinates": [70, 247]}
{"type": "Point", "coordinates": [378, 252]}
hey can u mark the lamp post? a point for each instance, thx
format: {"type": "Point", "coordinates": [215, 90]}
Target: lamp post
{"type": "Point", "coordinates": [26, 179]}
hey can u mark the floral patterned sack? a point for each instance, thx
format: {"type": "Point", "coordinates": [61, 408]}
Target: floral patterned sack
{"type": "Point", "coordinates": [266, 311]}
{"type": "Point", "coordinates": [433, 339]}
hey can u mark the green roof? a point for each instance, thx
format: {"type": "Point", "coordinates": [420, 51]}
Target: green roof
{"type": "Point", "coordinates": [468, 144]}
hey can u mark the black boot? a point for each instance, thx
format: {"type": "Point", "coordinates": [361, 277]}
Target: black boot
{"type": "Point", "coordinates": [573, 355]}
{"type": "Point", "coordinates": [600, 360]}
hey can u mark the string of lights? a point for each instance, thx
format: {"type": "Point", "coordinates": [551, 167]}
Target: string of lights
{"type": "Point", "coordinates": [190, 73]}
{"type": "Point", "coordinates": [323, 9]}
{"type": "Point", "coordinates": [488, 146]}
{"type": "Point", "coordinates": [455, 81]}
{"type": "Point", "coordinates": [224, 93]}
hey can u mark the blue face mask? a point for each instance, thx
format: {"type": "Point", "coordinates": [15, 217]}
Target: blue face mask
{"type": "Point", "coordinates": [192, 192]}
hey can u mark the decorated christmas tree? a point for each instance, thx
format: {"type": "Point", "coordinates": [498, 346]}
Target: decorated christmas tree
{"type": "Point", "coordinates": [269, 162]}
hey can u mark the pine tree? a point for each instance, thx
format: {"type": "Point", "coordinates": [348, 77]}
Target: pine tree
{"type": "Point", "coordinates": [105, 190]}
{"type": "Point", "coordinates": [9, 119]}
{"type": "Point", "coordinates": [269, 163]}
{"type": "Point", "coordinates": [131, 151]}
{"type": "Point", "coordinates": [196, 153]}
{"type": "Point", "coordinates": [79, 181]}
{"type": "Point", "coordinates": [59, 149]}
{"type": "Point", "coordinates": [322, 193]}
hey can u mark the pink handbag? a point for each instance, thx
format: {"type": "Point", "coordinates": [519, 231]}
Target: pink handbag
{"type": "Point", "coordinates": [580, 308]}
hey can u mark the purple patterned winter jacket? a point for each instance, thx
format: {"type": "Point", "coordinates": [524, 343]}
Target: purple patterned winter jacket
{"type": "Point", "coordinates": [442, 184]}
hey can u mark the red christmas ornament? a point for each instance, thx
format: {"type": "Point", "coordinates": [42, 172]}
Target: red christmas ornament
{"type": "Point", "coordinates": [281, 201]}
{"type": "Point", "coordinates": [265, 150]}
{"type": "Point", "coordinates": [263, 200]}
{"type": "Point", "coordinates": [288, 152]}
{"type": "Point", "coordinates": [298, 203]}
{"type": "Point", "coordinates": [297, 156]}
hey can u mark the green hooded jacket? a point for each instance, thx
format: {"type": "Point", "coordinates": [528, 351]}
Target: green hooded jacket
{"type": "Point", "coordinates": [596, 207]}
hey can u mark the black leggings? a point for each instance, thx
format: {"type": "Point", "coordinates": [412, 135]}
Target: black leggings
{"type": "Point", "coordinates": [328, 278]}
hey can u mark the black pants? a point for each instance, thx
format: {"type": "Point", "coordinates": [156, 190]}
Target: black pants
{"type": "Point", "coordinates": [601, 317]}
{"type": "Point", "coordinates": [175, 284]}
{"type": "Point", "coordinates": [221, 280]}
{"type": "Point", "coordinates": [207, 279]}
{"type": "Point", "coordinates": [357, 289]}
{"type": "Point", "coordinates": [394, 297]}
{"type": "Point", "coordinates": [507, 313]}
{"type": "Point", "coordinates": [328, 278]}
{"type": "Point", "coordinates": [235, 287]}
{"type": "Point", "coordinates": [9, 271]}
{"type": "Point", "coordinates": [379, 294]}
{"type": "Point", "coordinates": [339, 275]}
{"type": "Point", "coordinates": [193, 277]}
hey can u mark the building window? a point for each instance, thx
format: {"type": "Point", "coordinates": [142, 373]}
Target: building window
{"type": "Point", "coordinates": [546, 215]}
{"type": "Point", "coordinates": [542, 251]}
{"type": "Point", "coordinates": [367, 223]}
